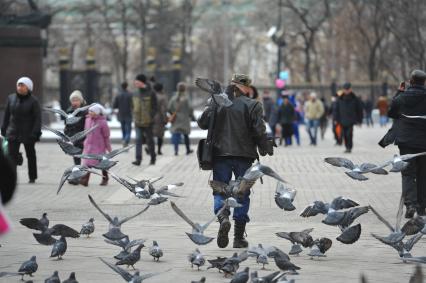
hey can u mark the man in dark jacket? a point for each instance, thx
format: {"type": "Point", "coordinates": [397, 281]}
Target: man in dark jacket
{"type": "Point", "coordinates": [144, 109]}
{"type": "Point", "coordinates": [22, 124]}
{"type": "Point", "coordinates": [410, 134]}
{"type": "Point", "coordinates": [239, 131]}
{"type": "Point", "coordinates": [348, 113]}
{"type": "Point", "coordinates": [123, 102]}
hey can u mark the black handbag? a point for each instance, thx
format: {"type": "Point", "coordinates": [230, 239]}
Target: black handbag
{"type": "Point", "coordinates": [205, 147]}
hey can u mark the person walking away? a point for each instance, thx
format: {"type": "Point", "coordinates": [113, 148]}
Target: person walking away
{"type": "Point", "coordinates": [286, 116]}
{"type": "Point", "coordinates": [77, 100]}
{"type": "Point", "coordinates": [349, 112]}
{"type": "Point", "coordinates": [298, 119]}
{"type": "Point", "coordinates": [160, 118]}
{"type": "Point", "coordinates": [324, 118]}
{"type": "Point", "coordinates": [181, 116]}
{"type": "Point", "coordinates": [144, 109]}
{"type": "Point", "coordinates": [22, 125]}
{"type": "Point", "coordinates": [239, 132]}
{"type": "Point", "coordinates": [270, 112]}
{"type": "Point", "coordinates": [313, 112]}
{"type": "Point", "coordinates": [123, 105]}
{"type": "Point", "coordinates": [411, 134]}
{"type": "Point", "coordinates": [367, 105]}
{"type": "Point", "coordinates": [337, 128]}
{"type": "Point", "coordinates": [383, 105]}
{"type": "Point", "coordinates": [97, 141]}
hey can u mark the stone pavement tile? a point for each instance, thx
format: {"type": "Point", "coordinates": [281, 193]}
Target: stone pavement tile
{"type": "Point", "coordinates": [302, 167]}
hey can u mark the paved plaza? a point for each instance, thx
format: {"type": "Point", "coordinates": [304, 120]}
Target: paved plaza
{"type": "Point", "coordinates": [302, 166]}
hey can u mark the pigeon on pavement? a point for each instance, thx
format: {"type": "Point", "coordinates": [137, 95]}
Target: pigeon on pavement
{"type": "Point", "coordinates": [284, 197]}
{"type": "Point", "coordinates": [114, 231]}
{"type": "Point", "coordinates": [45, 237]}
{"type": "Point", "coordinates": [70, 118]}
{"type": "Point", "coordinates": [270, 278]}
{"type": "Point", "coordinates": [356, 171]}
{"type": "Point", "coordinates": [126, 245]}
{"type": "Point", "coordinates": [155, 251]}
{"type": "Point", "coordinates": [71, 279]}
{"type": "Point", "coordinates": [241, 277]}
{"type": "Point", "coordinates": [196, 258]}
{"type": "Point", "coordinates": [282, 261]}
{"type": "Point", "coordinates": [88, 228]}
{"type": "Point", "coordinates": [202, 280]}
{"type": "Point", "coordinates": [228, 265]}
{"type": "Point", "coordinates": [304, 238]}
{"type": "Point", "coordinates": [59, 248]}
{"type": "Point", "coordinates": [132, 258]}
{"type": "Point", "coordinates": [261, 253]}
{"type": "Point", "coordinates": [105, 162]}
{"type": "Point", "coordinates": [54, 278]}
{"type": "Point", "coordinates": [27, 268]}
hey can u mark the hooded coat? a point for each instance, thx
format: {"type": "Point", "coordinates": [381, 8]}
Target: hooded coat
{"type": "Point", "coordinates": [97, 141]}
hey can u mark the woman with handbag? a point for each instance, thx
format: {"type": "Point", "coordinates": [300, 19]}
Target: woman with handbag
{"type": "Point", "coordinates": [180, 118]}
{"type": "Point", "coordinates": [22, 125]}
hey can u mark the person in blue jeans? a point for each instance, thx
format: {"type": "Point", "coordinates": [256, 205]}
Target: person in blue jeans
{"type": "Point", "coordinates": [239, 132]}
{"type": "Point", "coordinates": [123, 102]}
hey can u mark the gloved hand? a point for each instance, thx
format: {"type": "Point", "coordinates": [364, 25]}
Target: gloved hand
{"type": "Point", "coordinates": [267, 146]}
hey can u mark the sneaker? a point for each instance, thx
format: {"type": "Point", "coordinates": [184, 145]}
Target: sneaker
{"type": "Point", "coordinates": [136, 162]}
{"type": "Point", "coordinates": [347, 151]}
{"type": "Point", "coordinates": [189, 152]}
{"type": "Point", "coordinates": [31, 181]}
{"type": "Point", "coordinates": [152, 162]}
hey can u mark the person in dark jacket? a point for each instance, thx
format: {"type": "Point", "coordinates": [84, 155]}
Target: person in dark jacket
{"type": "Point", "coordinates": [349, 112]}
{"type": "Point", "coordinates": [410, 134]}
{"type": "Point", "coordinates": [144, 109]}
{"type": "Point", "coordinates": [123, 102]}
{"type": "Point", "coordinates": [367, 105]}
{"type": "Point", "coordinates": [286, 115]}
{"type": "Point", "coordinates": [22, 124]}
{"type": "Point", "coordinates": [239, 132]}
{"type": "Point", "coordinates": [77, 101]}
{"type": "Point", "coordinates": [336, 126]}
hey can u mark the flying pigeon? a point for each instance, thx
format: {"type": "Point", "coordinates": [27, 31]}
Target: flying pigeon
{"type": "Point", "coordinates": [284, 197]}
{"type": "Point", "coordinates": [304, 238]}
{"type": "Point", "coordinates": [319, 207]}
{"type": "Point", "coordinates": [67, 143]}
{"type": "Point", "coordinates": [45, 237]}
{"type": "Point", "coordinates": [216, 91]}
{"type": "Point", "coordinates": [105, 162]}
{"type": "Point", "coordinates": [88, 228]}
{"type": "Point", "coordinates": [126, 245]}
{"type": "Point", "coordinates": [399, 162]}
{"type": "Point", "coordinates": [71, 118]}
{"type": "Point", "coordinates": [128, 277]}
{"type": "Point", "coordinates": [114, 230]}
{"type": "Point", "coordinates": [356, 171]}
{"type": "Point", "coordinates": [414, 225]}
{"type": "Point", "coordinates": [74, 174]}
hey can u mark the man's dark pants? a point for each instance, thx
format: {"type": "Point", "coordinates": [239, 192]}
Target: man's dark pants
{"type": "Point", "coordinates": [348, 136]}
{"type": "Point", "coordinates": [414, 179]}
{"type": "Point", "coordinates": [223, 167]}
{"type": "Point", "coordinates": [126, 130]}
{"type": "Point", "coordinates": [149, 138]}
{"type": "Point", "coordinates": [30, 153]}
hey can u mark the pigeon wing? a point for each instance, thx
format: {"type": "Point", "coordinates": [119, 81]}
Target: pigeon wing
{"type": "Point", "coordinates": [183, 216]}
{"type": "Point", "coordinates": [373, 168]}
{"type": "Point", "coordinates": [149, 275]}
{"type": "Point", "coordinates": [408, 246]}
{"type": "Point", "coordinates": [63, 179]}
{"type": "Point", "coordinates": [32, 223]}
{"type": "Point", "coordinates": [57, 111]}
{"type": "Point", "coordinates": [210, 86]}
{"type": "Point", "coordinates": [123, 182]}
{"type": "Point", "coordinates": [124, 220]}
{"type": "Point", "coordinates": [82, 134]}
{"type": "Point", "coordinates": [123, 273]}
{"type": "Point", "coordinates": [69, 148]}
{"type": "Point", "coordinates": [413, 226]}
{"type": "Point", "coordinates": [313, 209]}
{"type": "Point", "coordinates": [58, 133]}
{"type": "Point", "coordinates": [356, 176]}
{"type": "Point", "coordinates": [340, 162]}
{"type": "Point", "coordinates": [134, 243]}
{"type": "Point", "coordinates": [81, 109]}
{"type": "Point", "coordinates": [407, 157]}
{"type": "Point", "coordinates": [64, 230]}
{"type": "Point", "coordinates": [89, 156]}
{"type": "Point", "coordinates": [382, 219]}
{"type": "Point", "coordinates": [100, 210]}
{"type": "Point", "coordinates": [342, 203]}
{"type": "Point", "coordinates": [116, 152]}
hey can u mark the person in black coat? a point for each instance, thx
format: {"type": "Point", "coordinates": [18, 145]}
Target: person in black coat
{"type": "Point", "coordinates": [410, 135]}
{"type": "Point", "coordinates": [123, 103]}
{"type": "Point", "coordinates": [348, 113]}
{"type": "Point", "coordinates": [77, 101]}
{"type": "Point", "coordinates": [286, 115]}
{"type": "Point", "coordinates": [22, 124]}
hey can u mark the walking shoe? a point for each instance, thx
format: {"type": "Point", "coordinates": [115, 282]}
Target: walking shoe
{"type": "Point", "coordinates": [104, 178]}
{"type": "Point", "coordinates": [136, 162]}
{"type": "Point", "coordinates": [409, 213]}
{"type": "Point", "coordinates": [85, 180]}
{"type": "Point", "coordinates": [239, 240]}
{"type": "Point", "coordinates": [152, 162]}
{"type": "Point", "coordinates": [189, 152]}
{"type": "Point", "coordinates": [347, 151]}
{"type": "Point", "coordinates": [222, 235]}
{"type": "Point", "coordinates": [31, 181]}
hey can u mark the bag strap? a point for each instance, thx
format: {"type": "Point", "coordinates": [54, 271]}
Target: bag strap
{"type": "Point", "coordinates": [211, 126]}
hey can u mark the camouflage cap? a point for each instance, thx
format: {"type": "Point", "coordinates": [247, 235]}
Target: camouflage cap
{"type": "Point", "coordinates": [241, 79]}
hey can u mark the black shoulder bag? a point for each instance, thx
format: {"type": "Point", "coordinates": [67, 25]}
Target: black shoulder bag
{"type": "Point", "coordinates": [205, 146]}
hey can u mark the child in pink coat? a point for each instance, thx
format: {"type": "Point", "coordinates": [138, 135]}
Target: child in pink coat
{"type": "Point", "coordinates": [97, 141]}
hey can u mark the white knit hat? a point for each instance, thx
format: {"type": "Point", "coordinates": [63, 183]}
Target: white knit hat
{"type": "Point", "coordinates": [26, 81]}
{"type": "Point", "coordinates": [97, 108]}
{"type": "Point", "coordinates": [76, 94]}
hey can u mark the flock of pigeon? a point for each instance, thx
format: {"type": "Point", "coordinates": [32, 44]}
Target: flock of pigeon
{"type": "Point", "coordinates": [341, 212]}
